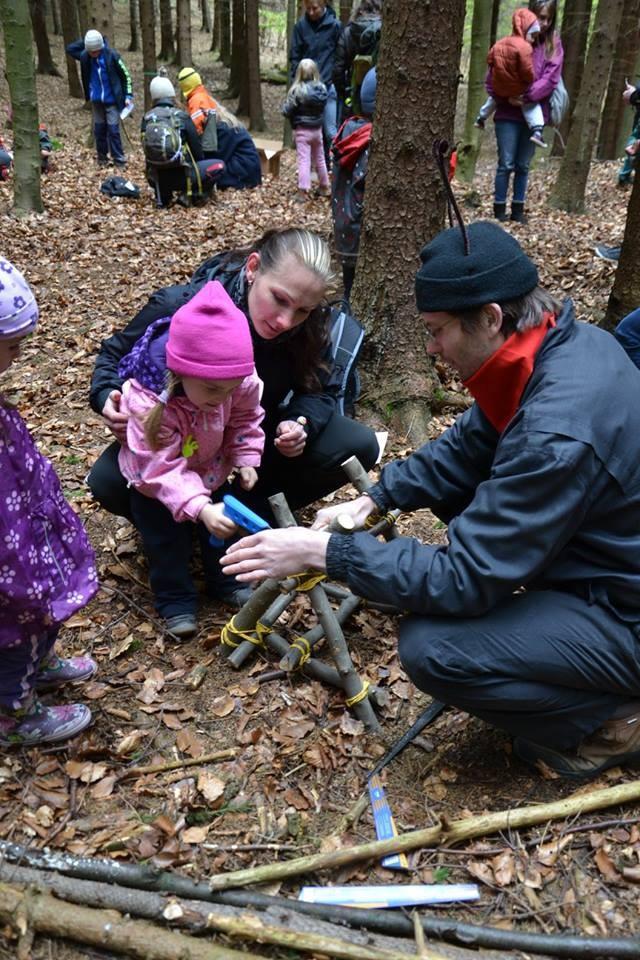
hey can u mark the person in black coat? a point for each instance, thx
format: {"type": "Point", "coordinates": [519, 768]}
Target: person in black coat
{"type": "Point", "coordinates": [360, 38]}
{"type": "Point", "coordinates": [315, 36]}
{"type": "Point", "coordinates": [238, 152]}
{"type": "Point", "coordinates": [107, 85]}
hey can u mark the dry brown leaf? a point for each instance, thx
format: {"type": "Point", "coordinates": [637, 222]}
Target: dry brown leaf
{"type": "Point", "coordinates": [210, 786]}
{"type": "Point", "coordinates": [222, 706]}
{"type": "Point", "coordinates": [605, 865]}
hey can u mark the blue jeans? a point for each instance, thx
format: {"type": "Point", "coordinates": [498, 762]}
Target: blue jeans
{"type": "Point", "coordinates": [515, 151]}
{"type": "Point", "coordinates": [329, 117]}
{"type": "Point", "coordinates": [627, 333]}
{"type": "Point", "coordinates": [106, 130]}
{"type": "Point", "coordinates": [626, 170]}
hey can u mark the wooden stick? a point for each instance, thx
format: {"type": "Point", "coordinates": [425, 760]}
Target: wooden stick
{"type": "Point", "coordinates": [362, 482]}
{"type": "Point", "coordinates": [351, 682]}
{"type": "Point", "coordinates": [275, 610]}
{"type": "Point", "coordinates": [313, 636]}
{"type": "Point", "coordinates": [247, 617]}
{"type": "Point", "coordinates": [450, 833]}
{"type": "Point", "coordinates": [228, 754]}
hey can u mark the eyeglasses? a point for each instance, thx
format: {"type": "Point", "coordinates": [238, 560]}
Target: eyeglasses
{"type": "Point", "coordinates": [431, 335]}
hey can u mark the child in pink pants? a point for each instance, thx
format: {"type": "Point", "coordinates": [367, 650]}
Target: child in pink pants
{"type": "Point", "coordinates": [304, 106]}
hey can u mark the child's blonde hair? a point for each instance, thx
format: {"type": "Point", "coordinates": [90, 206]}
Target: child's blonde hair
{"type": "Point", "coordinates": [307, 72]}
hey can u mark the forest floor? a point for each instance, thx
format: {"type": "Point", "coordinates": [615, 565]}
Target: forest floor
{"type": "Point", "coordinates": [302, 759]}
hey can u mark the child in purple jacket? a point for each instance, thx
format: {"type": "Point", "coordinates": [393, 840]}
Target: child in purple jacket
{"type": "Point", "coordinates": [47, 566]}
{"type": "Point", "coordinates": [183, 441]}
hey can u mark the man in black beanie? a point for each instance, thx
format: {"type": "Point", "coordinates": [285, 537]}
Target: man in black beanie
{"type": "Point", "coordinates": [539, 482]}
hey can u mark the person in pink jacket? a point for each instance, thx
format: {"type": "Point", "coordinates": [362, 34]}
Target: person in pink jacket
{"type": "Point", "coordinates": [182, 444]}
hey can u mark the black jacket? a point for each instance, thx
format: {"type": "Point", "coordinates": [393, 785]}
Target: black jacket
{"type": "Point", "coordinates": [347, 49]}
{"type": "Point", "coordinates": [241, 159]}
{"type": "Point", "coordinates": [317, 41]}
{"type": "Point", "coordinates": [119, 76]}
{"type": "Point", "coordinates": [304, 105]}
{"type": "Point", "coordinates": [272, 357]}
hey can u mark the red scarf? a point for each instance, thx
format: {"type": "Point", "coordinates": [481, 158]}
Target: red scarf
{"type": "Point", "coordinates": [350, 147]}
{"type": "Point", "coordinates": [497, 386]}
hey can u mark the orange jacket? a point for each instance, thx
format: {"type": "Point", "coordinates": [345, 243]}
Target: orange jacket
{"type": "Point", "coordinates": [199, 101]}
{"type": "Point", "coordinates": [511, 59]}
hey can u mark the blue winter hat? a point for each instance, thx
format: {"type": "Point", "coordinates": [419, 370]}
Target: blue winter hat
{"type": "Point", "coordinates": [18, 308]}
{"type": "Point", "coordinates": [368, 92]}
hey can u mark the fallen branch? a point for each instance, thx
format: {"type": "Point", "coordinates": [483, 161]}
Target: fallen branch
{"type": "Point", "coordinates": [453, 832]}
{"type": "Point", "coordinates": [178, 764]}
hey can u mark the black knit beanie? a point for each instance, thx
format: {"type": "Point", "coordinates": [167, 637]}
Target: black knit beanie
{"type": "Point", "coordinates": [496, 269]}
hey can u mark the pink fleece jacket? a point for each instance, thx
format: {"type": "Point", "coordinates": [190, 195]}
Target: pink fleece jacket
{"type": "Point", "coordinates": [197, 449]}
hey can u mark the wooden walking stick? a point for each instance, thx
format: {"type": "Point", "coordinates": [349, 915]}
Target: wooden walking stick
{"type": "Point", "coordinates": [362, 482]}
{"type": "Point", "coordinates": [355, 690]}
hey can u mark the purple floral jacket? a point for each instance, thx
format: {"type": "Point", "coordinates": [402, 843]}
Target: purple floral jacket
{"type": "Point", "coordinates": [47, 565]}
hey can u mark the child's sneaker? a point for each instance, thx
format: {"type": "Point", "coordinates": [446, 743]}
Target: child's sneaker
{"type": "Point", "coordinates": [39, 724]}
{"type": "Point", "coordinates": [537, 138]}
{"type": "Point", "coordinates": [181, 625]}
{"type": "Point", "coordinates": [479, 122]}
{"type": "Point", "coordinates": [55, 670]}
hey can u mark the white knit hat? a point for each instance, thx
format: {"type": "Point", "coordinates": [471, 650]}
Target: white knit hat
{"type": "Point", "coordinates": [93, 40]}
{"type": "Point", "coordinates": [161, 88]}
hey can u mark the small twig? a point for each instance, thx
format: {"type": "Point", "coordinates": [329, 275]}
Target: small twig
{"type": "Point", "coordinates": [247, 847]}
{"type": "Point", "coordinates": [177, 764]}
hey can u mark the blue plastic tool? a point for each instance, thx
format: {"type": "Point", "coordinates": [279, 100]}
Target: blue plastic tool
{"type": "Point", "coordinates": [241, 515]}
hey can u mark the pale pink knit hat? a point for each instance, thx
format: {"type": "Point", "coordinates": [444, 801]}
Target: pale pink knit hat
{"type": "Point", "coordinates": [210, 338]}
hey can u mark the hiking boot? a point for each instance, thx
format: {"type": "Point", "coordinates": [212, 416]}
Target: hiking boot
{"type": "Point", "coordinates": [517, 213]}
{"type": "Point", "coordinates": [607, 253]}
{"type": "Point", "coordinates": [39, 724]}
{"type": "Point", "coordinates": [537, 137]}
{"type": "Point", "coordinates": [55, 670]}
{"type": "Point", "coordinates": [624, 183]}
{"type": "Point", "coordinates": [181, 625]}
{"type": "Point", "coordinates": [615, 743]}
{"type": "Point", "coordinates": [479, 122]}
{"type": "Point", "coordinates": [184, 200]}
{"type": "Point", "coordinates": [103, 161]}
{"type": "Point", "coordinates": [500, 211]}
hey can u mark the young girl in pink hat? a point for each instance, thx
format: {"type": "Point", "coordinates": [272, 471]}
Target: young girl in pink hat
{"type": "Point", "coordinates": [47, 566]}
{"type": "Point", "coordinates": [183, 443]}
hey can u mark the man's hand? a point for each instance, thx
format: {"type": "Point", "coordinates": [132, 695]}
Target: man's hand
{"type": "Point", "coordinates": [358, 510]}
{"type": "Point", "coordinates": [214, 519]}
{"type": "Point", "coordinates": [291, 438]}
{"type": "Point", "coordinates": [276, 553]}
{"type": "Point", "coordinates": [116, 421]}
{"type": "Point", "coordinates": [248, 477]}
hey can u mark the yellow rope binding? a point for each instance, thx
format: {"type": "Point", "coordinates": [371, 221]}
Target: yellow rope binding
{"type": "Point", "coordinates": [256, 637]}
{"type": "Point", "coordinates": [306, 580]}
{"type": "Point", "coordinates": [375, 518]}
{"type": "Point", "coordinates": [303, 645]}
{"type": "Point", "coordinates": [360, 695]}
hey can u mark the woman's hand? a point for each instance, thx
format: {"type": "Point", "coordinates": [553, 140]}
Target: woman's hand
{"type": "Point", "coordinates": [276, 553]}
{"type": "Point", "coordinates": [248, 477]}
{"type": "Point", "coordinates": [291, 438]}
{"type": "Point", "coordinates": [516, 101]}
{"type": "Point", "coordinates": [116, 421]}
{"type": "Point", "coordinates": [214, 519]}
{"type": "Point", "coordinates": [358, 510]}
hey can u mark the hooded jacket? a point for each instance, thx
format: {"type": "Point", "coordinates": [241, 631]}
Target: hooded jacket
{"type": "Point", "coordinates": [551, 502]}
{"type": "Point", "coordinates": [119, 77]}
{"type": "Point", "coordinates": [199, 102]}
{"type": "Point", "coordinates": [304, 105]}
{"type": "Point", "coordinates": [315, 39]}
{"type": "Point", "coordinates": [511, 59]}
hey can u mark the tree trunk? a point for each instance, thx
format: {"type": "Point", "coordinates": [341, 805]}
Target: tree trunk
{"type": "Point", "coordinates": [38, 10]}
{"type": "Point", "coordinates": [184, 57]}
{"type": "Point", "coordinates": [404, 203]}
{"type": "Point", "coordinates": [215, 32]}
{"type": "Point", "coordinates": [495, 16]}
{"type": "Point", "coordinates": [101, 18]}
{"type": "Point", "coordinates": [18, 39]}
{"type": "Point", "coordinates": [55, 18]}
{"type": "Point", "coordinates": [205, 26]}
{"type": "Point", "coordinates": [625, 295]}
{"type": "Point", "coordinates": [345, 11]}
{"type": "Point", "coordinates": [480, 31]}
{"type": "Point", "coordinates": [225, 31]}
{"type": "Point", "coordinates": [83, 16]}
{"type": "Point", "coordinates": [615, 111]}
{"type": "Point", "coordinates": [167, 47]}
{"type": "Point", "coordinates": [575, 32]}
{"type": "Point", "coordinates": [70, 32]}
{"type": "Point", "coordinates": [133, 25]}
{"type": "Point", "coordinates": [287, 131]}
{"type": "Point", "coordinates": [569, 189]}
{"type": "Point", "coordinates": [239, 65]}
{"type": "Point", "coordinates": [256, 115]}
{"type": "Point", "coordinates": [148, 32]}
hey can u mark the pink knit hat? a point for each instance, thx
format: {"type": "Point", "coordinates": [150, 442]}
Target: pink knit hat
{"type": "Point", "coordinates": [210, 338]}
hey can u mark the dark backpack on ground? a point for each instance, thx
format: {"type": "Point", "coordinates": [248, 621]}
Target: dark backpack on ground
{"type": "Point", "coordinates": [161, 137]}
{"type": "Point", "coordinates": [119, 187]}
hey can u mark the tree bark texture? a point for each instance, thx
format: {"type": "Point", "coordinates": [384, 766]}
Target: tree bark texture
{"type": "Point", "coordinates": [476, 93]}
{"type": "Point", "coordinates": [405, 203]}
{"type": "Point", "coordinates": [495, 16]}
{"type": "Point", "coordinates": [83, 16]}
{"type": "Point", "coordinates": [574, 33]}
{"type": "Point", "coordinates": [184, 57]}
{"type": "Point", "coordinates": [71, 32]}
{"type": "Point", "coordinates": [287, 131]}
{"type": "Point", "coordinates": [225, 31]}
{"type": "Point", "coordinates": [625, 295]}
{"type": "Point", "coordinates": [569, 189]}
{"type": "Point", "coordinates": [616, 114]}
{"type": "Point", "coordinates": [256, 114]}
{"type": "Point", "coordinates": [18, 38]}
{"type": "Point", "coordinates": [239, 76]}
{"type": "Point", "coordinates": [38, 10]}
{"type": "Point", "coordinates": [148, 33]}
{"type": "Point", "coordinates": [205, 26]}
{"type": "Point", "coordinates": [167, 47]}
{"type": "Point", "coordinates": [133, 26]}
{"type": "Point", "coordinates": [55, 18]}
{"type": "Point", "coordinates": [215, 32]}
{"type": "Point", "coordinates": [101, 18]}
